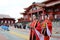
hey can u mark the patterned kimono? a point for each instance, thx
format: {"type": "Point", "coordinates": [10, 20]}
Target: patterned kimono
{"type": "Point", "coordinates": [48, 25]}
{"type": "Point", "coordinates": [37, 26]}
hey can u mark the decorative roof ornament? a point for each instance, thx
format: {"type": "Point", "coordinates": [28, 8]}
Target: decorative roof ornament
{"type": "Point", "coordinates": [33, 2]}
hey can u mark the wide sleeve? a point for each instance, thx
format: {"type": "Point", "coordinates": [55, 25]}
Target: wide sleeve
{"type": "Point", "coordinates": [50, 26]}
{"type": "Point", "coordinates": [38, 27]}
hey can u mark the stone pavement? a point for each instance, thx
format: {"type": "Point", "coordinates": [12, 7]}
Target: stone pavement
{"type": "Point", "coordinates": [25, 32]}
{"type": "Point", "coordinates": [22, 34]}
{"type": "Point", "coordinates": [55, 37]}
{"type": "Point", "coordinates": [9, 36]}
{"type": "Point", "coordinates": [2, 37]}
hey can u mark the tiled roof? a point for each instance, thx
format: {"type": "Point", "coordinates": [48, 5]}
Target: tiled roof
{"type": "Point", "coordinates": [4, 16]}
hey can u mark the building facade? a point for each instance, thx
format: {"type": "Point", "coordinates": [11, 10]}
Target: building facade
{"type": "Point", "coordinates": [50, 8]}
{"type": "Point", "coordinates": [6, 20]}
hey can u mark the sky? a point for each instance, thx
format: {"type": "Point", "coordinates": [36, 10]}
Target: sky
{"type": "Point", "coordinates": [13, 8]}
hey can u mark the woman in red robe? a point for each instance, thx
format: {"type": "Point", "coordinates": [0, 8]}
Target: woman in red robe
{"type": "Point", "coordinates": [49, 25]}
{"type": "Point", "coordinates": [35, 24]}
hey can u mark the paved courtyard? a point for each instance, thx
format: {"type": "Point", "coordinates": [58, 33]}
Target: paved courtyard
{"type": "Point", "coordinates": [22, 34]}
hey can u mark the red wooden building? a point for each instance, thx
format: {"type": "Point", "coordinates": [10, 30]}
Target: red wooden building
{"type": "Point", "coordinates": [51, 8]}
{"type": "Point", "coordinates": [6, 20]}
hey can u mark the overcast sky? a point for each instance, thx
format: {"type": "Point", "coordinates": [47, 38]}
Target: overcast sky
{"type": "Point", "coordinates": [15, 7]}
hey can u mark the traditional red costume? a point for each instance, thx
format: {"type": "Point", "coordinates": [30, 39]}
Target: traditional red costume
{"type": "Point", "coordinates": [49, 25]}
{"type": "Point", "coordinates": [35, 24]}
